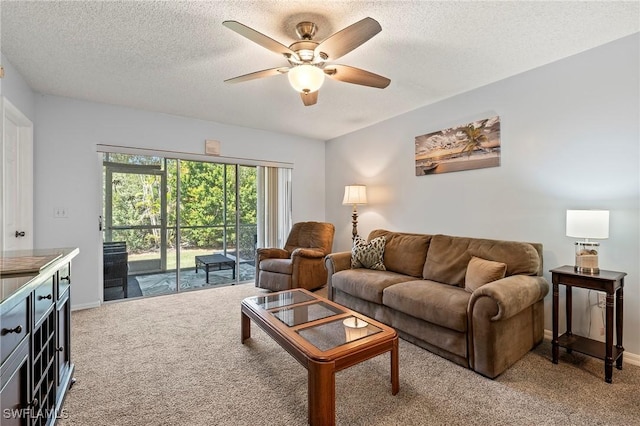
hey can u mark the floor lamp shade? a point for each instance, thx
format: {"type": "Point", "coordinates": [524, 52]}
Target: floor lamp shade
{"type": "Point", "coordinates": [587, 224]}
{"type": "Point", "coordinates": [354, 195]}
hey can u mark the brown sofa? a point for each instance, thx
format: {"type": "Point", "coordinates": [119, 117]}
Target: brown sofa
{"type": "Point", "coordinates": [422, 295]}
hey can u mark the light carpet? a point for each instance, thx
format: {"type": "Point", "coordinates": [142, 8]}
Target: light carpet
{"type": "Point", "coordinates": [178, 360]}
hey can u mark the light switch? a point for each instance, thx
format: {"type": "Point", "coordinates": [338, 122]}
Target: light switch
{"type": "Point", "coordinates": [60, 212]}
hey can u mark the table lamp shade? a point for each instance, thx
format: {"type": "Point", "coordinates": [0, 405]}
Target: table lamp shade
{"type": "Point", "coordinates": [588, 224]}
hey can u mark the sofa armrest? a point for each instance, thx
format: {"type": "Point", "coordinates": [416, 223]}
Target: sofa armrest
{"type": "Point", "coordinates": [506, 320]}
{"type": "Point", "coordinates": [336, 262]}
{"type": "Point", "coordinates": [511, 294]}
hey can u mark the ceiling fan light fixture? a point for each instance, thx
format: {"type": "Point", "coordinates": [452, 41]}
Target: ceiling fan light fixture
{"type": "Point", "coordinates": [308, 58]}
{"type": "Point", "coordinates": [306, 78]}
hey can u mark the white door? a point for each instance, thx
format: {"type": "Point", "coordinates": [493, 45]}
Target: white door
{"type": "Point", "coordinates": [16, 202]}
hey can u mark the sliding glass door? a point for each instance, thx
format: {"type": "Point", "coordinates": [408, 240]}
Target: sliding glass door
{"type": "Point", "coordinates": [137, 247]}
{"type": "Point", "coordinates": [210, 250]}
{"type": "Point", "coordinates": [176, 224]}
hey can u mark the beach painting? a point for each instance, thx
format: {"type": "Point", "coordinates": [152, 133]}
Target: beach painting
{"type": "Point", "coordinates": [470, 146]}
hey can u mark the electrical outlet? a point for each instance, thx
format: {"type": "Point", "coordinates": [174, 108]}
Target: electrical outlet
{"type": "Point", "coordinates": [602, 331]}
{"type": "Point", "coordinates": [602, 300]}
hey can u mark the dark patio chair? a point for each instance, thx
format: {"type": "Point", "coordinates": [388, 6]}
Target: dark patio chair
{"type": "Point", "coordinates": [115, 265]}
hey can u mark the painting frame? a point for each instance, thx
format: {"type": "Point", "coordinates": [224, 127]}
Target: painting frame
{"type": "Point", "coordinates": [471, 146]}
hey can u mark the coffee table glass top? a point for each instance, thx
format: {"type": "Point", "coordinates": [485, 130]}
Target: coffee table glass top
{"type": "Point", "coordinates": [282, 299]}
{"type": "Point", "coordinates": [332, 334]}
{"type": "Point", "coordinates": [312, 318]}
{"type": "Point", "coordinates": [300, 314]}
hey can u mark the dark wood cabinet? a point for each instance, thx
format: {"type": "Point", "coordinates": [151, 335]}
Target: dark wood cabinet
{"type": "Point", "coordinates": [36, 369]}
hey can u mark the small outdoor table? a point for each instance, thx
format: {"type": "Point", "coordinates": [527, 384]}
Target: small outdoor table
{"type": "Point", "coordinates": [216, 262]}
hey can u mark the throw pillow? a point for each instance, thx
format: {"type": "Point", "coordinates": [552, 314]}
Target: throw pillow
{"type": "Point", "coordinates": [368, 255]}
{"type": "Point", "coordinates": [481, 272]}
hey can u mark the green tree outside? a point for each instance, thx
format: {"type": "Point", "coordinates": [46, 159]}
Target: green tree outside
{"type": "Point", "coordinates": [206, 209]}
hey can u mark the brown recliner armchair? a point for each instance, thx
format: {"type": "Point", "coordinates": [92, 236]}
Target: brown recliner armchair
{"type": "Point", "coordinates": [300, 263]}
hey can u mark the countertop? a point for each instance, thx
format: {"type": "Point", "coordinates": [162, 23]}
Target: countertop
{"type": "Point", "coordinates": [23, 269]}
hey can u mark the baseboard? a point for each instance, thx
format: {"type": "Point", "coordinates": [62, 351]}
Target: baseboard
{"type": "Point", "coordinates": [628, 357]}
{"type": "Point", "coordinates": [85, 306]}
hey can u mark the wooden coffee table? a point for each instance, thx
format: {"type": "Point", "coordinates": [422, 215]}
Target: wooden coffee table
{"type": "Point", "coordinates": [312, 329]}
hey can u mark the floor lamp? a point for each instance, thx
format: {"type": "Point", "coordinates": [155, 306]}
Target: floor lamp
{"type": "Point", "coordinates": [355, 194]}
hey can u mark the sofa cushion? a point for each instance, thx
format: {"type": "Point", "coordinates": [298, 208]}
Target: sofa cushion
{"type": "Point", "coordinates": [368, 255]}
{"type": "Point", "coordinates": [366, 284]}
{"type": "Point", "coordinates": [449, 256]}
{"type": "Point", "coordinates": [481, 272]}
{"type": "Point", "coordinates": [404, 253]}
{"type": "Point", "coordinates": [439, 304]}
{"type": "Point", "coordinates": [281, 266]}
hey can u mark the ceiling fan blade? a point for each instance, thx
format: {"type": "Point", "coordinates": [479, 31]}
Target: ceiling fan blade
{"type": "Point", "coordinates": [259, 38]}
{"type": "Point", "coordinates": [309, 99]}
{"type": "Point", "coordinates": [258, 74]}
{"type": "Point", "coordinates": [347, 39]}
{"type": "Point", "coordinates": [356, 76]}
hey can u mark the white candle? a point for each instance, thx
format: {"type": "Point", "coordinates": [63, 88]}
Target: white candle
{"type": "Point", "coordinates": [355, 328]}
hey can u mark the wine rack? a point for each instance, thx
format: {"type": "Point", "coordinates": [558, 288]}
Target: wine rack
{"type": "Point", "coordinates": [43, 370]}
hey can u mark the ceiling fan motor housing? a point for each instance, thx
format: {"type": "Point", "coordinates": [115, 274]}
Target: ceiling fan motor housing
{"type": "Point", "coordinates": [306, 30]}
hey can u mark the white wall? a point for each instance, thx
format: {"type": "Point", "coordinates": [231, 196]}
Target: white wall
{"type": "Point", "coordinates": [570, 135]}
{"type": "Point", "coordinates": [68, 169]}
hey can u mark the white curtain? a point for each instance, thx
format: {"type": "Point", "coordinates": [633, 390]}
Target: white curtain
{"type": "Point", "coordinates": [274, 206]}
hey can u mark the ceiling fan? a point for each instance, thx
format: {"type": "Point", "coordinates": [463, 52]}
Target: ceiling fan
{"type": "Point", "coordinates": [308, 58]}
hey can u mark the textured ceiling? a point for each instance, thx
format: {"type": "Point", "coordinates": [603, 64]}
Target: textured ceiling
{"type": "Point", "coordinates": [172, 57]}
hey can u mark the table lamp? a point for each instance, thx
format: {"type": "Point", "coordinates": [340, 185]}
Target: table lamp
{"type": "Point", "coordinates": [355, 194]}
{"type": "Point", "coordinates": [587, 224]}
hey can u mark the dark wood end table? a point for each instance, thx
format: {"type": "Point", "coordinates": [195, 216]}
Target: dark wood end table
{"type": "Point", "coordinates": [610, 282]}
